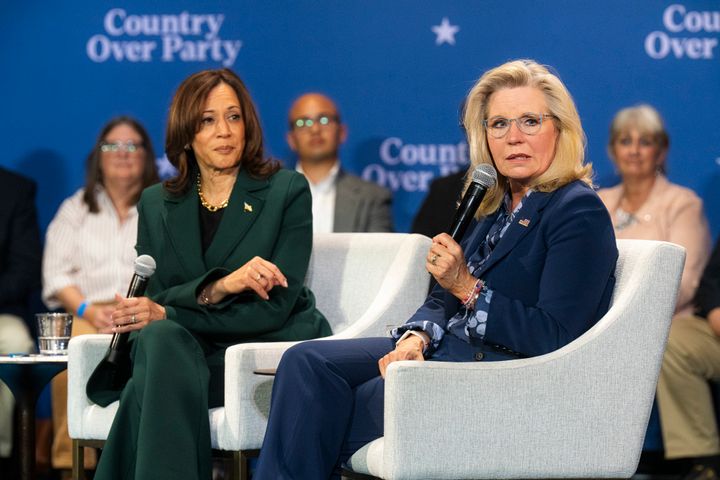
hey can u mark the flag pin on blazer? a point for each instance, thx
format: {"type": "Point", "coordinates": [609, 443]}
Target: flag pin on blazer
{"type": "Point", "coordinates": [524, 222]}
{"type": "Point", "coordinates": [248, 207]}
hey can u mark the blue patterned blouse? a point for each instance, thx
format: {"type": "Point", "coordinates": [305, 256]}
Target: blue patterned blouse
{"type": "Point", "coordinates": [470, 323]}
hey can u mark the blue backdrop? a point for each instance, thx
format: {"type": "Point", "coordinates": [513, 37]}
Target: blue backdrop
{"type": "Point", "coordinates": [398, 70]}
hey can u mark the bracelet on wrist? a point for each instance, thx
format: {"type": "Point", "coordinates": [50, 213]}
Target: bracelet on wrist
{"type": "Point", "coordinates": [473, 295]}
{"type": "Point", "coordinates": [204, 298]}
{"type": "Point", "coordinates": [81, 309]}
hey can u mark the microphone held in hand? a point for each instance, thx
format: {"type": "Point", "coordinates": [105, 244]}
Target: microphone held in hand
{"type": "Point", "coordinates": [144, 268]}
{"type": "Point", "coordinates": [113, 371]}
{"type": "Point", "coordinates": [484, 177]}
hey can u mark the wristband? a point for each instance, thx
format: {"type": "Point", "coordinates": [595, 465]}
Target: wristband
{"type": "Point", "coordinates": [81, 309]}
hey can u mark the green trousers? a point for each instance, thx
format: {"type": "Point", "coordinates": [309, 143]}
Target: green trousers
{"type": "Point", "coordinates": [161, 430]}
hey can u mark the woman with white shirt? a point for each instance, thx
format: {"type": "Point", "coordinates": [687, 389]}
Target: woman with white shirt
{"type": "Point", "coordinates": [89, 247]}
{"type": "Point", "coordinates": [645, 205]}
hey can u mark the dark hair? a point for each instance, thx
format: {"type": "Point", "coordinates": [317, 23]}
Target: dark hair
{"type": "Point", "coordinates": [184, 123]}
{"type": "Point", "coordinates": [94, 174]}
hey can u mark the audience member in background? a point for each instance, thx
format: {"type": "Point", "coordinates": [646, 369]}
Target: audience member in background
{"type": "Point", "coordinates": [231, 235]}
{"type": "Point", "coordinates": [692, 358]}
{"type": "Point", "coordinates": [440, 204]}
{"type": "Point", "coordinates": [89, 247]}
{"type": "Point", "coordinates": [20, 252]}
{"type": "Point", "coordinates": [645, 205]}
{"type": "Point", "coordinates": [341, 202]}
{"type": "Point", "coordinates": [533, 274]}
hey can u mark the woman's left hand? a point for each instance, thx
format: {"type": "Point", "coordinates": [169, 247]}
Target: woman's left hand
{"type": "Point", "coordinates": [135, 313]}
{"type": "Point", "coordinates": [446, 263]}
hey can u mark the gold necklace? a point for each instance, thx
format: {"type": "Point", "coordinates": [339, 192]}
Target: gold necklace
{"type": "Point", "coordinates": [204, 203]}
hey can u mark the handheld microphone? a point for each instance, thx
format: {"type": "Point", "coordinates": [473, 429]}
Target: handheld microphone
{"type": "Point", "coordinates": [144, 268]}
{"type": "Point", "coordinates": [483, 177]}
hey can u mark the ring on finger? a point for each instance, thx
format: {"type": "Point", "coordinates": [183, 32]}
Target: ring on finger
{"type": "Point", "coordinates": [434, 258]}
{"type": "Point", "coordinates": [133, 319]}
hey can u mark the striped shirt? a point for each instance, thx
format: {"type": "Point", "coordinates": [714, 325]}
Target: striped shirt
{"type": "Point", "coordinates": [92, 251]}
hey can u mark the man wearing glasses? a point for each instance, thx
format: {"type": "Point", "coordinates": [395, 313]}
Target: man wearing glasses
{"type": "Point", "coordinates": [341, 202]}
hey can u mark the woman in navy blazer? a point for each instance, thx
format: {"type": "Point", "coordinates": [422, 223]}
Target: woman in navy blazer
{"type": "Point", "coordinates": [535, 272]}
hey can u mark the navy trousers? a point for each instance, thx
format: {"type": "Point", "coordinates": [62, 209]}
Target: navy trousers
{"type": "Point", "coordinates": [327, 402]}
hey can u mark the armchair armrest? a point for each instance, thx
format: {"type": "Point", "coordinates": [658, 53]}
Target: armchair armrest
{"type": "Point", "coordinates": [509, 423]}
{"type": "Point", "coordinates": [247, 395]}
{"type": "Point", "coordinates": [84, 354]}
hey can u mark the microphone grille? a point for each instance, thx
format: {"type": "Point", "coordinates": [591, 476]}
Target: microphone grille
{"type": "Point", "coordinates": [145, 266]}
{"type": "Point", "coordinates": [485, 175]}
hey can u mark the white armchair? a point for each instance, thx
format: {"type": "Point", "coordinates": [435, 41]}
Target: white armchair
{"type": "Point", "coordinates": [578, 412]}
{"type": "Point", "coordinates": [363, 283]}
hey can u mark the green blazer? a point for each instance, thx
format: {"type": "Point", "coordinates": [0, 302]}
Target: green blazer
{"type": "Point", "coordinates": [270, 218]}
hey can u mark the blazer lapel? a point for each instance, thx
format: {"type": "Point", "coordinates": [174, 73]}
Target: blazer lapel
{"type": "Point", "coordinates": [182, 222]}
{"type": "Point", "coordinates": [525, 221]}
{"type": "Point", "coordinates": [246, 202]}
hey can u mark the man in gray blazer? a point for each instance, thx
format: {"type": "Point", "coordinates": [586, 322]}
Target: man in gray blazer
{"type": "Point", "coordinates": [341, 202]}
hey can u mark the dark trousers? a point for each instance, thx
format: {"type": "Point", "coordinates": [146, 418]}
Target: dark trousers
{"type": "Point", "coordinates": [327, 402]}
{"type": "Point", "coordinates": [161, 430]}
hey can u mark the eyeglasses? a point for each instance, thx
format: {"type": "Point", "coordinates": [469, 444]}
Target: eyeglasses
{"type": "Point", "coordinates": [307, 122]}
{"type": "Point", "coordinates": [120, 146]}
{"type": "Point", "coordinates": [529, 124]}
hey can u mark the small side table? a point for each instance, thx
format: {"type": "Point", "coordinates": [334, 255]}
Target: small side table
{"type": "Point", "coordinates": [26, 376]}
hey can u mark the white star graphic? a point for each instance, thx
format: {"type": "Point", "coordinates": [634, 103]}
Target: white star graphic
{"type": "Point", "coordinates": [445, 32]}
{"type": "Point", "coordinates": [165, 168]}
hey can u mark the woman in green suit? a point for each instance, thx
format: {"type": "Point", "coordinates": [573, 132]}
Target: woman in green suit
{"type": "Point", "coordinates": [231, 235]}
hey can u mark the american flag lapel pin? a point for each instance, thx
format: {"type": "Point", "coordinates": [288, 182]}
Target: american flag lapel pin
{"type": "Point", "coordinates": [524, 222]}
{"type": "Point", "coordinates": [248, 207]}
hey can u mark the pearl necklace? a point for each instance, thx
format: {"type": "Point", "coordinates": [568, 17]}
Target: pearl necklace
{"type": "Point", "coordinates": [205, 203]}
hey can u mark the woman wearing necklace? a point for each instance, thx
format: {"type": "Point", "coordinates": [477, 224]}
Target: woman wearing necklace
{"type": "Point", "coordinates": [645, 205]}
{"type": "Point", "coordinates": [231, 234]}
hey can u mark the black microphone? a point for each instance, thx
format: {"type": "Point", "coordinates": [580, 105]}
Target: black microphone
{"type": "Point", "coordinates": [144, 268]}
{"type": "Point", "coordinates": [113, 371]}
{"type": "Point", "coordinates": [483, 177]}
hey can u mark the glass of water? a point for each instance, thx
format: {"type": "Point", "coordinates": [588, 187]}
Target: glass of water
{"type": "Point", "coordinates": [54, 332]}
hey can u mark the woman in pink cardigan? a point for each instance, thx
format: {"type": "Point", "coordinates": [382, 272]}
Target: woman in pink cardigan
{"type": "Point", "coordinates": [645, 205]}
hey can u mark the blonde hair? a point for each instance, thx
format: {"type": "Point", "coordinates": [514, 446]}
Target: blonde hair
{"type": "Point", "coordinates": [647, 121]}
{"type": "Point", "coordinates": [569, 162]}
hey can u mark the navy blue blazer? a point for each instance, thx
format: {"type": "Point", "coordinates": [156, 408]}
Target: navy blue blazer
{"type": "Point", "coordinates": [552, 273]}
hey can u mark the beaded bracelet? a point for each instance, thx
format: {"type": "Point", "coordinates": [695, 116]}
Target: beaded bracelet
{"type": "Point", "coordinates": [473, 295]}
{"type": "Point", "coordinates": [81, 309]}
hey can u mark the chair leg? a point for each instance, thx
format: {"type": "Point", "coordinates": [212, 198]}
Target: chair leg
{"type": "Point", "coordinates": [78, 460]}
{"type": "Point", "coordinates": [241, 463]}
{"type": "Point", "coordinates": [239, 467]}
{"type": "Point", "coordinates": [78, 455]}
